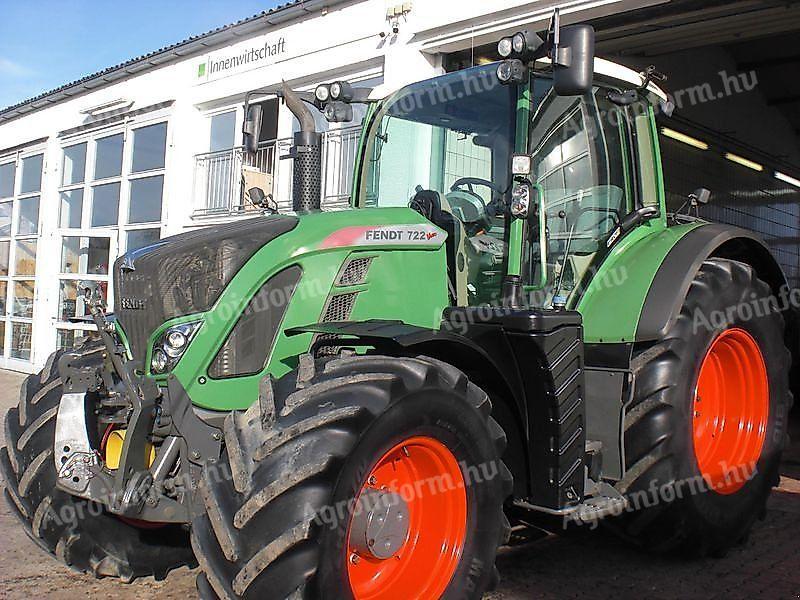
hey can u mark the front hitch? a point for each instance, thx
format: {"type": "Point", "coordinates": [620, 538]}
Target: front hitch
{"type": "Point", "coordinates": [135, 489]}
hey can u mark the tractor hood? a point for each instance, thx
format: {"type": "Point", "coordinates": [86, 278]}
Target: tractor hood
{"type": "Point", "coordinates": [185, 274]}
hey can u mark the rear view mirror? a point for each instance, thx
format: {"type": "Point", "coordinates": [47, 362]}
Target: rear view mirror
{"type": "Point", "coordinates": [573, 73]}
{"type": "Point", "coordinates": [252, 127]}
{"type": "Point", "coordinates": [700, 196]}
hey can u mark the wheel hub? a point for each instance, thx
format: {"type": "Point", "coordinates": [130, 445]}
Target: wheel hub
{"type": "Point", "coordinates": [380, 525]}
{"type": "Point", "coordinates": [408, 527]}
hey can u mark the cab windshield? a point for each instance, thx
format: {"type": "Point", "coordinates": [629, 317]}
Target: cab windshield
{"type": "Point", "coordinates": [443, 147]}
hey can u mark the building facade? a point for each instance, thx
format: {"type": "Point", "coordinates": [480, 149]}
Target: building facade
{"type": "Point", "coordinates": [151, 147]}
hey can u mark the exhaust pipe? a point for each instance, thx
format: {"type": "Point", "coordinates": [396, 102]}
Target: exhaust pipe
{"type": "Point", "coordinates": [307, 155]}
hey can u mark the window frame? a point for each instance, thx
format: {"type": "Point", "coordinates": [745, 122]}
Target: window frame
{"type": "Point", "coordinates": [117, 233]}
{"type": "Point", "coordinates": [12, 278]}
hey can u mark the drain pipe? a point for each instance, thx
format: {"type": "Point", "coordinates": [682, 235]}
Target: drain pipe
{"type": "Point", "coordinates": [307, 155]}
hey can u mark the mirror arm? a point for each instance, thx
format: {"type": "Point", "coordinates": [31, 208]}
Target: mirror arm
{"type": "Point", "coordinates": [631, 221]}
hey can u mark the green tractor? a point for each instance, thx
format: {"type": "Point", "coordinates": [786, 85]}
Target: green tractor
{"type": "Point", "coordinates": [362, 404]}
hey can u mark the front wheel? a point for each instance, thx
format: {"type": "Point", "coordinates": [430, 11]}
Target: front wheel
{"type": "Point", "coordinates": [374, 478]}
{"type": "Point", "coordinates": [708, 422]}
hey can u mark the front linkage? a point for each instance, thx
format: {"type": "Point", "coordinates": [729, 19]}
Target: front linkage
{"type": "Point", "coordinates": [156, 421]}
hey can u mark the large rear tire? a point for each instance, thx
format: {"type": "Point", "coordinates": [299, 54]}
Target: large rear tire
{"type": "Point", "coordinates": [289, 520]}
{"type": "Point", "coordinates": [77, 532]}
{"type": "Point", "coordinates": [708, 422]}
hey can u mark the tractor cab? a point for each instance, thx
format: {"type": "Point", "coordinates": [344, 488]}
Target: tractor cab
{"type": "Point", "coordinates": [525, 180]}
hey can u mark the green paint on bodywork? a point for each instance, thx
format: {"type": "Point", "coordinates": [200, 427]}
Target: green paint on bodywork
{"type": "Point", "coordinates": [612, 305]}
{"type": "Point", "coordinates": [123, 338]}
{"type": "Point", "coordinates": [517, 233]}
{"type": "Point", "coordinates": [406, 282]}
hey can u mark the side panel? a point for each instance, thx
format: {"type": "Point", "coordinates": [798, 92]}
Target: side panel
{"type": "Point", "coordinates": [405, 281]}
{"type": "Point", "coordinates": [612, 304]}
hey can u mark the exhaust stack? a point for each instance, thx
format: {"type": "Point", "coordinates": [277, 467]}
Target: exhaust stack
{"type": "Point", "coordinates": [307, 155]}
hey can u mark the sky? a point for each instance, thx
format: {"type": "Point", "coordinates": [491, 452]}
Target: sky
{"type": "Point", "coordinates": [47, 43]}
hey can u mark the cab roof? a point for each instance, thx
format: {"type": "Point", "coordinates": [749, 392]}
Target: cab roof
{"type": "Point", "coordinates": [610, 71]}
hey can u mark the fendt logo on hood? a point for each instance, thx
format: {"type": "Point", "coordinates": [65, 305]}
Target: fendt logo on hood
{"type": "Point", "coordinates": [133, 303]}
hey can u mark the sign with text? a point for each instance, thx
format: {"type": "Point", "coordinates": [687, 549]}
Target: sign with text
{"type": "Point", "coordinates": [241, 58]}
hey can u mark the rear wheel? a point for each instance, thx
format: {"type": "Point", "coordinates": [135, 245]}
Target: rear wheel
{"type": "Point", "coordinates": [379, 478]}
{"type": "Point", "coordinates": [79, 533]}
{"type": "Point", "coordinates": [705, 431]}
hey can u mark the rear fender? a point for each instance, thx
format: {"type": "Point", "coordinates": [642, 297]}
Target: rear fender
{"type": "Point", "coordinates": [679, 268]}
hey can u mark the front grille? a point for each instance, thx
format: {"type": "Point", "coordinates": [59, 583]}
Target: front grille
{"type": "Point", "coordinates": [355, 272]}
{"type": "Point", "coordinates": [185, 274]}
{"type": "Point", "coordinates": [339, 308]}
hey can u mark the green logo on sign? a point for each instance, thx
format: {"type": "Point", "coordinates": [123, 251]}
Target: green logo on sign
{"type": "Point", "coordinates": [201, 70]}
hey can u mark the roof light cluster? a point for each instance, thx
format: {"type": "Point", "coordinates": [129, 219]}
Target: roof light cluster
{"type": "Point", "coordinates": [333, 100]}
{"type": "Point", "coordinates": [518, 51]}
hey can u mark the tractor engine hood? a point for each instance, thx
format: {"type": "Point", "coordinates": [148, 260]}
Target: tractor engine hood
{"type": "Point", "coordinates": [185, 274]}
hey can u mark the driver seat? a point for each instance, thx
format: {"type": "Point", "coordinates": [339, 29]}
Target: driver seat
{"type": "Point", "coordinates": [434, 206]}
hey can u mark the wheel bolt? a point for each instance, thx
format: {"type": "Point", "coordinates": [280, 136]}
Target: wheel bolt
{"type": "Point", "coordinates": [355, 558]}
{"type": "Point", "coordinates": [372, 480]}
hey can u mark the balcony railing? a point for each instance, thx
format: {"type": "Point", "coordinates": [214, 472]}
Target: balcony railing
{"type": "Point", "coordinates": [220, 178]}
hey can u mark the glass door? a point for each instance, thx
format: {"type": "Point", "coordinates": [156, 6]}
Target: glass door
{"type": "Point", "coordinates": [86, 255]}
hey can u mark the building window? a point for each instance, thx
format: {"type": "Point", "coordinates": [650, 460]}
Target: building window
{"type": "Point", "coordinates": [149, 148]}
{"type": "Point", "coordinates": [145, 204]}
{"type": "Point", "coordinates": [20, 192]}
{"type": "Point", "coordinates": [140, 238]}
{"type": "Point", "coordinates": [108, 156]}
{"type": "Point", "coordinates": [223, 131]}
{"type": "Point", "coordinates": [74, 168]}
{"type": "Point", "coordinates": [110, 202]}
{"type": "Point", "coordinates": [105, 205]}
{"type": "Point", "coordinates": [7, 175]}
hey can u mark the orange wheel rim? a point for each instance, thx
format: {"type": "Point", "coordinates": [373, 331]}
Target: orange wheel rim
{"type": "Point", "coordinates": [423, 474]}
{"type": "Point", "coordinates": [731, 411]}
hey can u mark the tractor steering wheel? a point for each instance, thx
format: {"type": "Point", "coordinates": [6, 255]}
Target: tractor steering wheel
{"type": "Point", "coordinates": [471, 182]}
{"type": "Point", "coordinates": [470, 204]}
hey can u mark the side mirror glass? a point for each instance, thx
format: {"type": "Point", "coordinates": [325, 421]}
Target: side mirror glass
{"type": "Point", "coordinates": [700, 196]}
{"type": "Point", "coordinates": [573, 72]}
{"type": "Point", "coordinates": [252, 127]}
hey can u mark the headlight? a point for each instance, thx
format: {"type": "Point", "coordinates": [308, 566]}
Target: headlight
{"type": "Point", "coordinates": [160, 361]}
{"type": "Point", "coordinates": [519, 43]}
{"type": "Point", "coordinates": [342, 91]}
{"type": "Point", "coordinates": [512, 71]}
{"type": "Point", "coordinates": [175, 343]}
{"type": "Point", "coordinates": [505, 47]}
{"type": "Point", "coordinates": [521, 201]}
{"type": "Point", "coordinates": [323, 93]}
{"type": "Point", "coordinates": [171, 345]}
